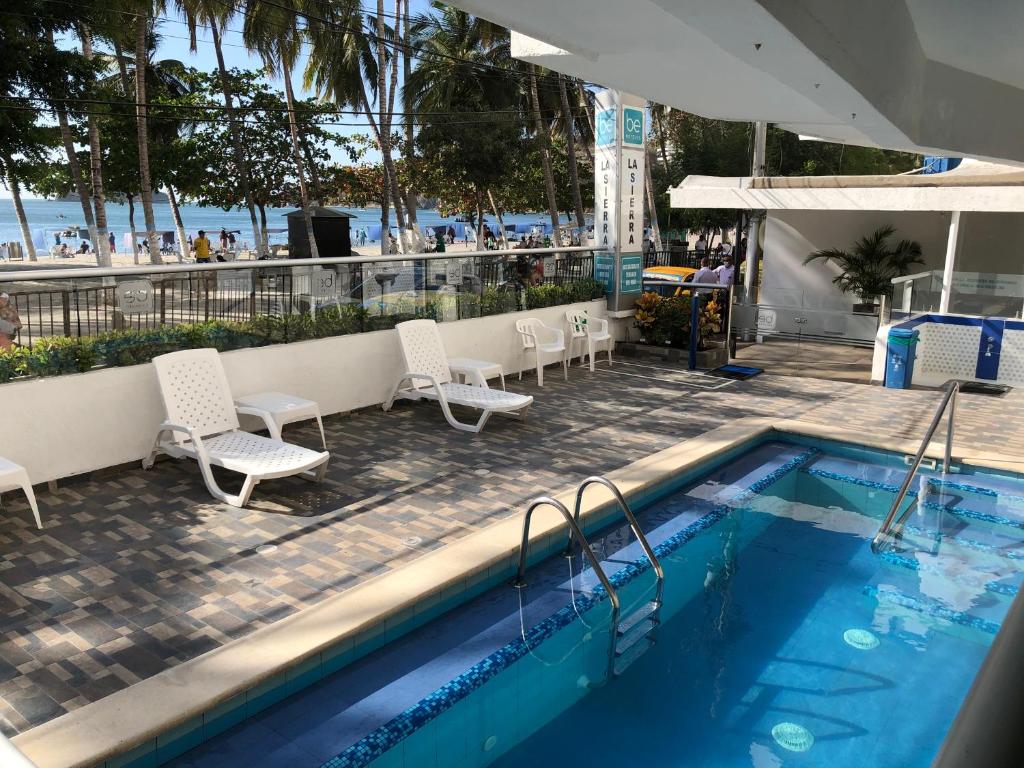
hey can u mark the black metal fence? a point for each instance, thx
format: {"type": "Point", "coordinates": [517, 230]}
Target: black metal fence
{"type": "Point", "coordinates": [681, 257]}
{"type": "Point", "coordinates": [381, 293]}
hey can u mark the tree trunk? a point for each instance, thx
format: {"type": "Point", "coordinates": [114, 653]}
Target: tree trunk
{"type": "Point", "coordinates": [385, 104]}
{"type": "Point", "coordinates": [259, 243]}
{"type": "Point", "coordinates": [652, 209]}
{"type": "Point", "coordinates": [501, 222]}
{"type": "Point", "coordinates": [141, 113]}
{"type": "Point", "coordinates": [19, 209]}
{"type": "Point", "coordinates": [131, 227]}
{"type": "Point", "coordinates": [314, 173]}
{"type": "Point", "coordinates": [660, 131]}
{"type": "Point", "coordinates": [297, 157]}
{"type": "Point", "coordinates": [410, 140]}
{"type": "Point", "coordinates": [385, 221]}
{"type": "Point", "coordinates": [480, 245]}
{"type": "Point", "coordinates": [179, 228]}
{"type": "Point", "coordinates": [99, 203]}
{"type": "Point", "coordinates": [263, 236]}
{"type": "Point", "coordinates": [122, 66]}
{"type": "Point", "coordinates": [581, 92]}
{"type": "Point", "coordinates": [75, 168]}
{"type": "Point", "coordinates": [570, 148]}
{"type": "Point", "coordinates": [545, 157]}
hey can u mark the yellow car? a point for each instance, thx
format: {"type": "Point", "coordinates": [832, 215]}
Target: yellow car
{"type": "Point", "coordinates": [677, 276]}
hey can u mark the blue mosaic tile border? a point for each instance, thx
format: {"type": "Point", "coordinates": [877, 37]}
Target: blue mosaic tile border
{"type": "Point", "coordinates": [932, 608]}
{"type": "Point", "coordinates": [910, 563]}
{"type": "Point", "coordinates": [967, 488]}
{"type": "Point", "coordinates": [961, 511]}
{"type": "Point", "coordinates": [379, 741]}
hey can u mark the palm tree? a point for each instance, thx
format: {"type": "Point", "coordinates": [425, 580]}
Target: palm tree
{"type": "Point", "coordinates": [11, 179]}
{"type": "Point", "coordinates": [216, 15]}
{"type": "Point", "coordinates": [410, 140]}
{"type": "Point", "coordinates": [569, 122]}
{"type": "Point", "coordinates": [464, 65]}
{"type": "Point", "coordinates": [541, 132]}
{"type": "Point", "coordinates": [867, 269]}
{"type": "Point", "coordinates": [350, 67]}
{"type": "Point", "coordinates": [99, 201]}
{"type": "Point", "coordinates": [141, 29]}
{"type": "Point", "coordinates": [272, 31]}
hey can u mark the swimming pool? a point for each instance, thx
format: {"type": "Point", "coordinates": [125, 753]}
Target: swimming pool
{"type": "Point", "coordinates": [783, 640]}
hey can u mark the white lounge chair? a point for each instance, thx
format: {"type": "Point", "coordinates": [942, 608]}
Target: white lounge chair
{"type": "Point", "coordinates": [593, 331]}
{"type": "Point", "coordinates": [14, 476]}
{"type": "Point", "coordinates": [202, 420]}
{"type": "Point", "coordinates": [547, 343]}
{"type": "Point", "coordinates": [430, 378]}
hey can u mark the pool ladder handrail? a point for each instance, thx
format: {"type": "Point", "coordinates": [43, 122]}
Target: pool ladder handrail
{"type": "Point", "coordinates": [888, 526]}
{"type": "Point", "coordinates": [576, 532]}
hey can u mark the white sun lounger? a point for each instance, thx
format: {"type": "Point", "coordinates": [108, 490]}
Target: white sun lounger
{"type": "Point", "coordinates": [202, 421]}
{"type": "Point", "coordinates": [429, 377]}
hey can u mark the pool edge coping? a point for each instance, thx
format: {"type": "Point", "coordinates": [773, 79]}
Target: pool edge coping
{"type": "Point", "coordinates": [129, 719]}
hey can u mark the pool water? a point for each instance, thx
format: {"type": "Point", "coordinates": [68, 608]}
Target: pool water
{"type": "Point", "coordinates": [783, 640]}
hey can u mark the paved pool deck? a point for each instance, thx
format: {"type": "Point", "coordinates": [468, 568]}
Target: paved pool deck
{"type": "Point", "coordinates": [136, 572]}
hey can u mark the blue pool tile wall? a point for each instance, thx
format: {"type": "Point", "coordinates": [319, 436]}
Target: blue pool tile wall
{"type": "Point", "coordinates": [406, 727]}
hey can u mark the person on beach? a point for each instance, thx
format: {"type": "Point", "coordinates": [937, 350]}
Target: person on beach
{"type": "Point", "coordinates": [10, 323]}
{"type": "Point", "coordinates": [223, 239]}
{"type": "Point", "coordinates": [113, 243]}
{"type": "Point", "coordinates": [202, 246]}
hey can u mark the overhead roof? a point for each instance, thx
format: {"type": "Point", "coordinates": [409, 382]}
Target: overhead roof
{"type": "Point", "coordinates": [972, 186]}
{"type": "Point", "coordinates": [928, 76]}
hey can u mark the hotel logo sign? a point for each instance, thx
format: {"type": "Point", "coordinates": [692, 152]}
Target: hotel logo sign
{"type": "Point", "coordinates": [605, 127]}
{"type": "Point", "coordinates": [632, 127]}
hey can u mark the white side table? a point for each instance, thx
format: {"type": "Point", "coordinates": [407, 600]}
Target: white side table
{"type": "Point", "coordinates": [277, 409]}
{"type": "Point", "coordinates": [476, 372]}
{"type": "Point", "coordinates": [14, 476]}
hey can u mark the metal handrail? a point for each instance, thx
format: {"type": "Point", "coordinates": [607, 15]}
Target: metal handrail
{"type": "Point", "coordinates": [574, 530]}
{"type": "Point", "coordinates": [630, 517]}
{"type": "Point", "coordinates": [887, 527]}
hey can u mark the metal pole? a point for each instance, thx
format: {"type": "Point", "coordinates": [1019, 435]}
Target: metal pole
{"type": "Point", "coordinates": [752, 254]}
{"type": "Point", "coordinates": [694, 330]}
{"type": "Point", "coordinates": [949, 431]}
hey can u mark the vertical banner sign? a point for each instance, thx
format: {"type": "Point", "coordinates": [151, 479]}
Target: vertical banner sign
{"type": "Point", "coordinates": [619, 124]}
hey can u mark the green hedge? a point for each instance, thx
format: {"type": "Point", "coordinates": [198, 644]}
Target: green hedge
{"type": "Point", "coordinates": [60, 355]}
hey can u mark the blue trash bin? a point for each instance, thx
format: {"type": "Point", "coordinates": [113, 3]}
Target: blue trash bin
{"type": "Point", "coordinates": [900, 352]}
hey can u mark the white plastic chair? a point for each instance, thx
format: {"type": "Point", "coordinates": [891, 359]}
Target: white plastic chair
{"type": "Point", "coordinates": [430, 378]}
{"type": "Point", "coordinates": [547, 343]}
{"type": "Point", "coordinates": [15, 476]}
{"type": "Point", "coordinates": [591, 330]}
{"type": "Point", "coordinates": [202, 420]}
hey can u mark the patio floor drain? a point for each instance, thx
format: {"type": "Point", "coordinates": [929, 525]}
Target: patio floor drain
{"type": "Point", "coordinates": [412, 541]}
{"type": "Point", "coordinates": [266, 549]}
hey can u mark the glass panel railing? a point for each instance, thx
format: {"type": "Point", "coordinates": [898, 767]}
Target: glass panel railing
{"type": "Point", "coordinates": [72, 320]}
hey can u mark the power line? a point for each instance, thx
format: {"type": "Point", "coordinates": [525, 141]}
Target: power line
{"type": "Point", "coordinates": [251, 108]}
{"type": "Point", "coordinates": [152, 118]}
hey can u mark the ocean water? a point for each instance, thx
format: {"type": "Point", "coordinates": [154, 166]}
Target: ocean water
{"type": "Point", "coordinates": [46, 217]}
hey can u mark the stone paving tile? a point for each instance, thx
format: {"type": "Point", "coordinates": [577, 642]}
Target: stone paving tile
{"type": "Point", "coordinates": [138, 571]}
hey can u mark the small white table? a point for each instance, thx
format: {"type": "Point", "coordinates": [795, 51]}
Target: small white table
{"type": "Point", "coordinates": [14, 476]}
{"type": "Point", "coordinates": [281, 409]}
{"type": "Point", "coordinates": [476, 372]}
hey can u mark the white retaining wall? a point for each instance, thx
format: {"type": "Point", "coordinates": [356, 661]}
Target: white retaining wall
{"type": "Point", "coordinates": [66, 425]}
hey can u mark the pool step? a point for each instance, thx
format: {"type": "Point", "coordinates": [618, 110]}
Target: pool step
{"type": "Point", "coordinates": [634, 635]}
{"type": "Point", "coordinates": [625, 659]}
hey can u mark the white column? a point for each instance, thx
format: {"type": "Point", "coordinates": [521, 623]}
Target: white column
{"type": "Point", "coordinates": [947, 270]}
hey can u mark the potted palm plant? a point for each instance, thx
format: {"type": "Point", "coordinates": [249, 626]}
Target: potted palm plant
{"type": "Point", "coordinates": [867, 269]}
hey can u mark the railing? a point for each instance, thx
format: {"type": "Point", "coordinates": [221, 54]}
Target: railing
{"type": "Point", "coordinates": [888, 526]}
{"type": "Point", "coordinates": [81, 305]}
{"type": "Point", "coordinates": [125, 315]}
{"type": "Point", "coordinates": [574, 532]}
{"type": "Point", "coordinates": [681, 257]}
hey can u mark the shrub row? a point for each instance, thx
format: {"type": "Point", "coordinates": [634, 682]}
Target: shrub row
{"type": "Point", "coordinates": [61, 355]}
